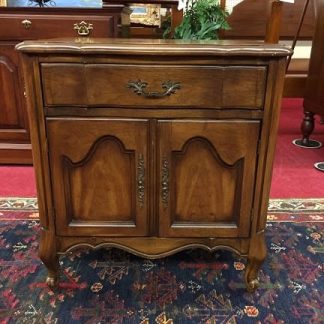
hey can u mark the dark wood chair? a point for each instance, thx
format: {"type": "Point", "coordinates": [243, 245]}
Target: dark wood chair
{"type": "Point", "coordinates": [314, 95]}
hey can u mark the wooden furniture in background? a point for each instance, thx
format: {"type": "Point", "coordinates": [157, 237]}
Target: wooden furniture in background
{"type": "Point", "coordinates": [17, 24]}
{"type": "Point", "coordinates": [249, 20]}
{"type": "Point", "coordinates": [268, 20]}
{"type": "Point", "coordinates": [314, 94]}
{"type": "Point", "coordinates": [153, 146]}
{"type": "Point", "coordinates": [272, 35]}
{"type": "Point", "coordinates": [135, 31]}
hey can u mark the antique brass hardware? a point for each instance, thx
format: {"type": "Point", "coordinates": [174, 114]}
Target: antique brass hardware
{"type": "Point", "coordinates": [26, 23]}
{"type": "Point", "coordinates": [83, 28]}
{"type": "Point", "coordinates": [165, 182]}
{"type": "Point", "coordinates": [140, 180]}
{"type": "Point", "coordinates": [139, 86]}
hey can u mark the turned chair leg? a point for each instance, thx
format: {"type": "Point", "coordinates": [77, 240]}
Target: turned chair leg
{"type": "Point", "coordinates": [307, 127]}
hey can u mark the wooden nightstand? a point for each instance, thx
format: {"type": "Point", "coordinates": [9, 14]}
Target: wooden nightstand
{"type": "Point", "coordinates": [153, 146]}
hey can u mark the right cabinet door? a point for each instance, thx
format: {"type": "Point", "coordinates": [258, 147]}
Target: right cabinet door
{"type": "Point", "coordinates": [206, 177]}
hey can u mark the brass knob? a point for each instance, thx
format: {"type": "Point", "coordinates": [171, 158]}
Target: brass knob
{"type": "Point", "coordinates": [26, 23]}
{"type": "Point", "coordinates": [83, 28]}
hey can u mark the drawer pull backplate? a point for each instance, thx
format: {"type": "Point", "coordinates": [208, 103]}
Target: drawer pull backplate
{"type": "Point", "coordinates": [140, 180]}
{"type": "Point", "coordinates": [165, 182]}
{"type": "Point", "coordinates": [83, 28]}
{"type": "Point", "coordinates": [139, 86]}
{"type": "Point", "coordinates": [26, 23]}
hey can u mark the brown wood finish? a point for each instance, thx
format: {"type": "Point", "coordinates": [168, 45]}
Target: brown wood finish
{"type": "Point", "coordinates": [200, 87]}
{"type": "Point", "coordinates": [43, 26]}
{"type": "Point", "coordinates": [249, 20]}
{"type": "Point", "coordinates": [314, 95]}
{"type": "Point", "coordinates": [210, 177]}
{"type": "Point", "coordinates": [154, 178]}
{"type": "Point", "coordinates": [96, 168]}
{"type": "Point", "coordinates": [274, 23]}
{"type": "Point", "coordinates": [17, 24]}
{"type": "Point", "coordinates": [14, 132]}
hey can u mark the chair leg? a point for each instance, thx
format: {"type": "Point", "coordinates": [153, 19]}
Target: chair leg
{"type": "Point", "coordinates": [307, 128]}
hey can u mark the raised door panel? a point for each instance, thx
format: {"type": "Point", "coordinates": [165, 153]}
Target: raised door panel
{"type": "Point", "coordinates": [207, 173]}
{"type": "Point", "coordinates": [99, 176]}
{"type": "Point", "coordinates": [13, 116]}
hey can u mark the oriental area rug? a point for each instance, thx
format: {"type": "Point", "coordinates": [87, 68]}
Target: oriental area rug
{"type": "Point", "coordinates": [194, 286]}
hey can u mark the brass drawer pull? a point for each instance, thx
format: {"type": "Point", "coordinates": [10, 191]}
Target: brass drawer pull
{"type": "Point", "coordinates": [169, 87]}
{"type": "Point", "coordinates": [140, 180]}
{"type": "Point", "coordinates": [26, 23]}
{"type": "Point", "coordinates": [83, 28]}
{"type": "Point", "coordinates": [165, 182]}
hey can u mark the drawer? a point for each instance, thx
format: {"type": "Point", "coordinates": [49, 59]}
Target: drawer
{"type": "Point", "coordinates": [41, 26]}
{"type": "Point", "coordinates": [153, 86]}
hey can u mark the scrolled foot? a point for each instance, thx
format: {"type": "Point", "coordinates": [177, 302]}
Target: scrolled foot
{"type": "Point", "coordinates": [256, 257]}
{"type": "Point", "coordinates": [47, 253]}
{"type": "Point", "coordinates": [52, 280]}
{"type": "Point", "coordinates": [252, 285]}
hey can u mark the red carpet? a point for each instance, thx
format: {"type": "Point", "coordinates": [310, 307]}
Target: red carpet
{"type": "Point", "coordinates": [293, 176]}
{"type": "Point", "coordinates": [17, 181]}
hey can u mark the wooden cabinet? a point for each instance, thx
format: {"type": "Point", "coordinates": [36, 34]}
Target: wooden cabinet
{"type": "Point", "coordinates": [17, 24]}
{"type": "Point", "coordinates": [136, 151]}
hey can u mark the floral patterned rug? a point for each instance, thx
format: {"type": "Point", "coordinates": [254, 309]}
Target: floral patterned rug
{"type": "Point", "coordinates": [112, 286]}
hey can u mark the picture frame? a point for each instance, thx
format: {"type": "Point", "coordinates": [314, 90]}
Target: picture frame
{"type": "Point", "coordinates": [145, 14]}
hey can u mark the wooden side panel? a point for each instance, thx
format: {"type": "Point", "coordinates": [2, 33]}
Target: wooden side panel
{"type": "Point", "coordinates": [207, 177]}
{"type": "Point", "coordinates": [98, 175]}
{"type": "Point", "coordinates": [9, 104]}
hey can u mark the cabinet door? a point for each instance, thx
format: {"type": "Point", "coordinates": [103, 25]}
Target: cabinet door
{"type": "Point", "coordinates": [14, 133]}
{"type": "Point", "coordinates": [207, 175]}
{"type": "Point", "coordinates": [99, 178]}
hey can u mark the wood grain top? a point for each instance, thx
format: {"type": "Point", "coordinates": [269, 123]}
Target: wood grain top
{"type": "Point", "coordinates": [154, 47]}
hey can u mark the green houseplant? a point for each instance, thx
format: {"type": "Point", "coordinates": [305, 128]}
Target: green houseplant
{"type": "Point", "coordinates": [202, 20]}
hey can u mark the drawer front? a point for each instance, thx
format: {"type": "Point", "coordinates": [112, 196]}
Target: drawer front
{"type": "Point", "coordinates": [41, 26]}
{"type": "Point", "coordinates": [150, 86]}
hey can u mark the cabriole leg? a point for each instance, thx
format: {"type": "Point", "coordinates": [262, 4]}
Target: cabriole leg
{"type": "Point", "coordinates": [256, 257]}
{"type": "Point", "coordinates": [47, 253]}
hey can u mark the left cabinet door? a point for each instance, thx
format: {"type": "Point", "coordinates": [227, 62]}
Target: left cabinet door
{"type": "Point", "coordinates": [99, 175]}
{"type": "Point", "coordinates": [14, 133]}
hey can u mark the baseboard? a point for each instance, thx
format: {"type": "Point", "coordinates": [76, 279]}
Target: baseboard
{"type": "Point", "coordinates": [15, 153]}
